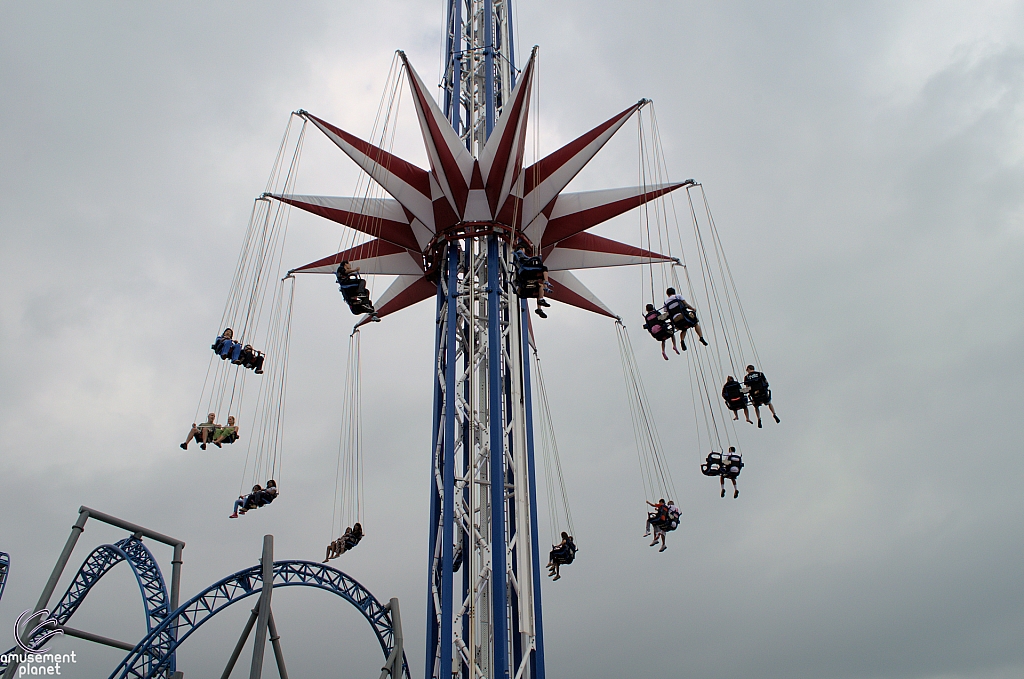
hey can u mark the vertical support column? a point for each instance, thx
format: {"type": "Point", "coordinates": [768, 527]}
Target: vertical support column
{"type": "Point", "coordinates": [499, 566]}
{"type": "Point", "coordinates": [448, 498]}
{"type": "Point", "coordinates": [537, 659]}
{"type": "Point", "coordinates": [489, 64]}
{"type": "Point", "coordinates": [259, 644]}
{"type": "Point", "coordinates": [275, 642]}
{"type": "Point", "coordinates": [433, 630]}
{"type": "Point", "coordinates": [457, 69]}
{"type": "Point", "coordinates": [399, 639]}
{"type": "Point", "coordinates": [62, 560]}
{"type": "Point", "coordinates": [176, 561]}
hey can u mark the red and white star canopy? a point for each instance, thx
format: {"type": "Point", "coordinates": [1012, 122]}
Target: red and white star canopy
{"type": "Point", "coordinates": [460, 193]}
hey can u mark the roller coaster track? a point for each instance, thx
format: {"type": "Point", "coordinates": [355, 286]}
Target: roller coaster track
{"type": "Point", "coordinates": [151, 583]}
{"type": "Point", "coordinates": [154, 655]}
{"type": "Point", "coordinates": [5, 568]}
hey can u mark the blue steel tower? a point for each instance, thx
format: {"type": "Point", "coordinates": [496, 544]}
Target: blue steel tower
{"type": "Point", "coordinates": [483, 605]}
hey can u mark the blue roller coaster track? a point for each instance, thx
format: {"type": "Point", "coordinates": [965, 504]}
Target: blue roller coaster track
{"type": "Point", "coordinates": [154, 654]}
{"type": "Point", "coordinates": [151, 583]}
{"type": "Point", "coordinates": [5, 568]}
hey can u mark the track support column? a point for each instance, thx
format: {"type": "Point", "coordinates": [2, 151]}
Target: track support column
{"type": "Point", "coordinates": [259, 645]}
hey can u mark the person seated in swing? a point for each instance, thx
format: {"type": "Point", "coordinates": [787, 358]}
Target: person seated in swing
{"type": "Point", "coordinates": [243, 500]}
{"type": "Point", "coordinates": [228, 434]}
{"type": "Point", "coordinates": [735, 399]}
{"type": "Point", "coordinates": [222, 339]}
{"type": "Point", "coordinates": [683, 316]}
{"type": "Point", "coordinates": [760, 395]}
{"type": "Point", "coordinates": [353, 289]}
{"type": "Point", "coordinates": [660, 328]}
{"type": "Point", "coordinates": [731, 470]}
{"type": "Point", "coordinates": [345, 543]}
{"type": "Point", "coordinates": [204, 433]}
{"type": "Point", "coordinates": [353, 537]}
{"type": "Point", "coordinates": [561, 554]}
{"type": "Point", "coordinates": [252, 359]}
{"type": "Point", "coordinates": [652, 516]}
{"type": "Point", "coordinates": [666, 519]}
{"type": "Point", "coordinates": [531, 279]}
{"type": "Point", "coordinates": [262, 497]}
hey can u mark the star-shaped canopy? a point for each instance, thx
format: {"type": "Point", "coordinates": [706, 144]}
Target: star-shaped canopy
{"type": "Point", "coordinates": [461, 195]}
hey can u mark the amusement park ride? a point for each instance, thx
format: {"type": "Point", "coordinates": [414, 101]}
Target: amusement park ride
{"type": "Point", "coordinates": [457, 232]}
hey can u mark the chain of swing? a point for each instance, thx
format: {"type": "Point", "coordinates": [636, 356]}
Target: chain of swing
{"type": "Point", "coordinates": [559, 513]}
{"type": "Point", "coordinates": [722, 317]}
{"type": "Point", "coordinates": [259, 313]}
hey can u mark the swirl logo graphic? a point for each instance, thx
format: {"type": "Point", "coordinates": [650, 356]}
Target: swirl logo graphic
{"type": "Point", "coordinates": [30, 640]}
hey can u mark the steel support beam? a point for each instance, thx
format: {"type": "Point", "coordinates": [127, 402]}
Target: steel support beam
{"type": "Point", "coordinates": [96, 638]}
{"type": "Point", "coordinates": [275, 643]}
{"type": "Point", "coordinates": [537, 657]}
{"type": "Point", "coordinates": [246, 631]}
{"type": "Point", "coordinates": [499, 564]}
{"type": "Point", "coordinates": [259, 644]}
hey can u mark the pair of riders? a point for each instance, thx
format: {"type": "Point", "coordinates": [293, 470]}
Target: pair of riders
{"type": "Point", "coordinates": [227, 348]}
{"type": "Point", "coordinates": [663, 519]}
{"type": "Point", "coordinates": [563, 553]}
{"type": "Point", "coordinates": [531, 279]}
{"type": "Point", "coordinates": [724, 467]}
{"type": "Point", "coordinates": [677, 314]}
{"type": "Point", "coordinates": [353, 289]}
{"type": "Point", "coordinates": [211, 432]}
{"type": "Point", "coordinates": [345, 543]}
{"type": "Point", "coordinates": [257, 498]}
{"type": "Point", "coordinates": [755, 387]}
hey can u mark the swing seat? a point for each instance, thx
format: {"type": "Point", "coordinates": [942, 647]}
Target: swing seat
{"type": "Point", "coordinates": [529, 276]}
{"type": "Point", "coordinates": [563, 558]}
{"type": "Point", "coordinates": [713, 465]}
{"type": "Point", "coordinates": [682, 317]}
{"type": "Point", "coordinates": [736, 403]}
{"type": "Point", "coordinates": [711, 469]}
{"type": "Point", "coordinates": [665, 522]}
{"type": "Point", "coordinates": [659, 328]}
{"type": "Point", "coordinates": [351, 285]}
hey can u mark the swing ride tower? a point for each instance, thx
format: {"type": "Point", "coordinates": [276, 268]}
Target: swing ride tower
{"type": "Point", "coordinates": [450, 233]}
{"type": "Point", "coordinates": [485, 621]}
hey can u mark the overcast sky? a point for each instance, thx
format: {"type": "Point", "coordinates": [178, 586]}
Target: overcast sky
{"type": "Point", "coordinates": [865, 162]}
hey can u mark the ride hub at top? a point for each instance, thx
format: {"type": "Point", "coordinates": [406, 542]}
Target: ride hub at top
{"type": "Point", "coordinates": [454, 232]}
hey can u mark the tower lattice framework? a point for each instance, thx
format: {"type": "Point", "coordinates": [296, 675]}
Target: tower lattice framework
{"type": "Point", "coordinates": [483, 608]}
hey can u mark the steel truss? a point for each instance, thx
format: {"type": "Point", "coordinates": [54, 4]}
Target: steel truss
{"type": "Point", "coordinates": [5, 568]}
{"type": "Point", "coordinates": [483, 604]}
{"type": "Point", "coordinates": [149, 657]}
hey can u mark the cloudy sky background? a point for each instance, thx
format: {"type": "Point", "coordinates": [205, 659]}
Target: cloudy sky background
{"type": "Point", "coordinates": [865, 162]}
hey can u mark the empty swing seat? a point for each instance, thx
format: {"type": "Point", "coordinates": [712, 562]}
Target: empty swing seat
{"type": "Point", "coordinates": [713, 465]}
